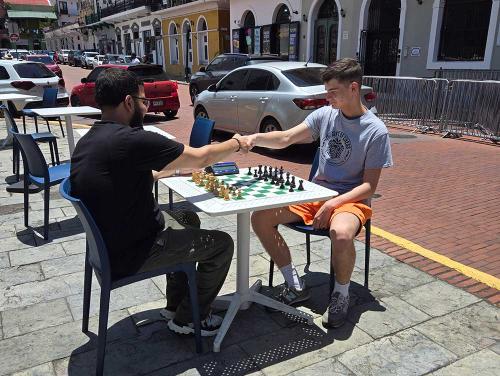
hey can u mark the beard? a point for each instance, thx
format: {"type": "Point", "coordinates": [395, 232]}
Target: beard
{"type": "Point", "coordinates": [137, 120]}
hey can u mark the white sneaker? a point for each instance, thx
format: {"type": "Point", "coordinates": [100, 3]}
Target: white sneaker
{"type": "Point", "coordinates": [209, 327]}
{"type": "Point", "coordinates": [166, 314]}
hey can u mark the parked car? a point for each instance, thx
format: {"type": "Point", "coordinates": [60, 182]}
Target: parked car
{"type": "Point", "coordinates": [266, 97]}
{"type": "Point", "coordinates": [157, 87]}
{"type": "Point", "coordinates": [49, 63]}
{"type": "Point", "coordinates": [222, 65]}
{"type": "Point", "coordinates": [110, 58]}
{"type": "Point", "coordinates": [62, 56]}
{"type": "Point", "coordinates": [74, 57]}
{"type": "Point", "coordinates": [19, 54]}
{"type": "Point", "coordinates": [88, 59]}
{"type": "Point", "coordinates": [98, 60]}
{"type": "Point", "coordinates": [27, 77]}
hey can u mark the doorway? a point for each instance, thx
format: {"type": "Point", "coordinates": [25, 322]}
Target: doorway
{"type": "Point", "coordinates": [326, 33]}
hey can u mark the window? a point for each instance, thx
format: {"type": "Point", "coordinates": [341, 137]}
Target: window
{"type": "Point", "coordinates": [234, 81]}
{"type": "Point", "coordinates": [202, 42]}
{"type": "Point", "coordinates": [283, 15]}
{"type": "Point", "coordinates": [63, 7]}
{"type": "Point", "coordinates": [233, 62]}
{"type": "Point", "coordinates": [304, 76]}
{"type": "Point", "coordinates": [464, 30]}
{"type": "Point", "coordinates": [33, 70]}
{"type": "Point", "coordinates": [94, 74]}
{"type": "Point", "coordinates": [216, 64]}
{"type": "Point", "coordinates": [41, 59]}
{"type": "Point", "coordinates": [149, 73]}
{"type": "Point", "coordinates": [4, 75]}
{"type": "Point", "coordinates": [173, 44]}
{"type": "Point", "coordinates": [260, 80]}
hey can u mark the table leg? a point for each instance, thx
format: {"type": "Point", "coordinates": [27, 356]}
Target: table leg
{"type": "Point", "coordinates": [9, 138]}
{"type": "Point", "coordinates": [242, 260]}
{"type": "Point", "coordinates": [69, 134]}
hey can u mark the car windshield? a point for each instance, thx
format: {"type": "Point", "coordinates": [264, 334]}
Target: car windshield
{"type": "Point", "coordinates": [149, 72]}
{"type": "Point", "coordinates": [91, 54]}
{"type": "Point", "coordinates": [304, 76]}
{"type": "Point", "coordinates": [40, 59]}
{"type": "Point", "coordinates": [33, 70]}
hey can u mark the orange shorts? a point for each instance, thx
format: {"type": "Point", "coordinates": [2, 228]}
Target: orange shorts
{"type": "Point", "coordinates": [308, 210]}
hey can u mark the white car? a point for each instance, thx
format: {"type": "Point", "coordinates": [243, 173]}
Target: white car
{"type": "Point", "coordinates": [88, 59]}
{"type": "Point", "coordinates": [267, 97]}
{"type": "Point", "coordinates": [63, 56]}
{"type": "Point", "coordinates": [19, 53]}
{"type": "Point", "coordinates": [31, 78]}
{"type": "Point", "coordinates": [98, 60]}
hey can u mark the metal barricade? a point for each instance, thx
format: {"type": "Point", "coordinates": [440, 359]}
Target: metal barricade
{"type": "Point", "coordinates": [472, 108]}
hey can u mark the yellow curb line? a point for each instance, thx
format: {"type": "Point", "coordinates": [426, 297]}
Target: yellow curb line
{"type": "Point", "coordinates": [443, 260]}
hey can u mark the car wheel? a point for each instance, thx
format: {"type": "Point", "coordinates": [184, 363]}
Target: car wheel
{"type": "Point", "coordinates": [269, 125]}
{"type": "Point", "coordinates": [200, 111]}
{"type": "Point", "coordinates": [193, 91]}
{"type": "Point", "coordinates": [75, 101]}
{"type": "Point", "coordinates": [170, 114]}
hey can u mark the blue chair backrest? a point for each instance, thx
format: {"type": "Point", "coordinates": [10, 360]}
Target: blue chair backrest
{"type": "Point", "coordinates": [201, 134]}
{"type": "Point", "coordinates": [314, 166]}
{"type": "Point", "coordinates": [32, 156]}
{"type": "Point", "coordinates": [9, 119]}
{"type": "Point", "coordinates": [49, 97]}
{"type": "Point", "coordinates": [97, 251]}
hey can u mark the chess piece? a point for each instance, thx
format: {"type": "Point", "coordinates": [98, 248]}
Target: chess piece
{"type": "Point", "coordinates": [226, 196]}
{"type": "Point", "coordinates": [287, 179]}
{"type": "Point", "coordinates": [291, 188]}
{"type": "Point", "coordinates": [249, 171]}
{"type": "Point", "coordinates": [282, 186]}
{"type": "Point", "coordinates": [260, 169]}
{"type": "Point", "coordinates": [301, 187]}
{"type": "Point", "coordinates": [265, 171]}
{"type": "Point", "coordinates": [255, 173]}
{"type": "Point", "coordinates": [293, 182]}
{"type": "Point", "coordinates": [239, 193]}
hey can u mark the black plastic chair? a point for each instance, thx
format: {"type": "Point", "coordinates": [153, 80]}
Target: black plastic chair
{"type": "Point", "coordinates": [97, 259]}
{"type": "Point", "coordinates": [309, 230]}
{"type": "Point", "coordinates": [48, 137]}
{"type": "Point", "coordinates": [36, 172]}
{"type": "Point", "coordinates": [201, 135]}
{"type": "Point", "coordinates": [49, 100]}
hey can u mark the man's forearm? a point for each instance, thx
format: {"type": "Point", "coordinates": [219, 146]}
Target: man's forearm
{"type": "Point", "coordinates": [218, 152]}
{"type": "Point", "coordinates": [361, 192]}
{"type": "Point", "coordinates": [272, 140]}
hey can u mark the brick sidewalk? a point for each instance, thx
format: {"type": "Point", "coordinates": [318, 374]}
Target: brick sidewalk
{"type": "Point", "coordinates": [440, 194]}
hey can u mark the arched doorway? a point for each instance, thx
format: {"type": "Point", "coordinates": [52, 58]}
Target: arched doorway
{"type": "Point", "coordinates": [326, 33]}
{"type": "Point", "coordinates": [188, 48]}
{"type": "Point", "coordinates": [379, 45]}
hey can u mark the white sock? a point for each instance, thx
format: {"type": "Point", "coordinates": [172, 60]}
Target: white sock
{"type": "Point", "coordinates": [291, 276]}
{"type": "Point", "coordinates": [342, 289]}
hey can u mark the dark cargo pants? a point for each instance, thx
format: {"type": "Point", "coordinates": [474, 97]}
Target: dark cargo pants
{"type": "Point", "coordinates": [184, 241]}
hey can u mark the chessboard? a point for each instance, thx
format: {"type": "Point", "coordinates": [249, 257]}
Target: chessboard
{"type": "Point", "coordinates": [246, 192]}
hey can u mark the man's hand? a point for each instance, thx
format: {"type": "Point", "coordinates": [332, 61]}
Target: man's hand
{"type": "Point", "coordinates": [322, 218]}
{"type": "Point", "coordinates": [244, 142]}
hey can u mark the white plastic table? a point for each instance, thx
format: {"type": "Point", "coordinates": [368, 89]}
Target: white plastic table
{"type": "Point", "coordinates": [214, 206]}
{"type": "Point", "coordinates": [67, 112]}
{"type": "Point", "coordinates": [13, 97]}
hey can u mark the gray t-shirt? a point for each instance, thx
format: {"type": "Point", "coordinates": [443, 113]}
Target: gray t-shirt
{"type": "Point", "coordinates": [348, 147]}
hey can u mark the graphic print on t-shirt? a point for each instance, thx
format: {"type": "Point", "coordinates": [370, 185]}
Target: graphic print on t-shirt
{"type": "Point", "coordinates": [339, 148]}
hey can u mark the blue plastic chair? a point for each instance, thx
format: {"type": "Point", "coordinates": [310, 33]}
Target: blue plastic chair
{"type": "Point", "coordinates": [309, 230]}
{"type": "Point", "coordinates": [97, 259]}
{"type": "Point", "coordinates": [201, 135]}
{"type": "Point", "coordinates": [38, 137]}
{"type": "Point", "coordinates": [49, 100]}
{"type": "Point", "coordinates": [36, 172]}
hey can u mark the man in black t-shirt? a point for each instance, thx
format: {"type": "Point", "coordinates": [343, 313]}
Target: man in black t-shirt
{"type": "Point", "coordinates": [113, 169]}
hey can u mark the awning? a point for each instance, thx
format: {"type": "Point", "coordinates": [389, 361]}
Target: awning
{"type": "Point", "coordinates": [31, 14]}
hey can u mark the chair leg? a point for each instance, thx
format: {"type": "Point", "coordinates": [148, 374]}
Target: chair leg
{"type": "Point", "coordinates": [308, 249]}
{"type": "Point", "coordinates": [48, 125]}
{"type": "Point", "coordinates": [26, 195]}
{"type": "Point", "coordinates": [87, 289]}
{"type": "Point", "coordinates": [46, 197]}
{"type": "Point", "coordinates": [51, 148]}
{"type": "Point", "coordinates": [61, 126]}
{"type": "Point", "coordinates": [103, 329]}
{"type": "Point", "coordinates": [368, 228]}
{"type": "Point", "coordinates": [36, 124]}
{"type": "Point", "coordinates": [24, 124]}
{"type": "Point", "coordinates": [195, 310]}
{"type": "Point", "coordinates": [170, 199]}
{"type": "Point", "coordinates": [271, 272]}
{"type": "Point", "coordinates": [156, 191]}
{"type": "Point", "coordinates": [56, 152]}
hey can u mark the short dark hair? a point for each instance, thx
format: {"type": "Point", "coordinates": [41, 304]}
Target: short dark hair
{"type": "Point", "coordinates": [114, 84]}
{"type": "Point", "coordinates": [345, 70]}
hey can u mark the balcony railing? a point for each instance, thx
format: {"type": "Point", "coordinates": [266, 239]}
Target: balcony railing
{"type": "Point", "coordinates": [93, 18]}
{"type": "Point", "coordinates": [174, 3]}
{"type": "Point", "coordinates": [125, 5]}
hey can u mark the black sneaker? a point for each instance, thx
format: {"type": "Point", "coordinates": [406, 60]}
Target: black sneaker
{"type": "Point", "coordinates": [336, 313]}
{"type": "Point", "coordinates": [290, 296]}
{"type": "Point", "coordinates": [209, 327]}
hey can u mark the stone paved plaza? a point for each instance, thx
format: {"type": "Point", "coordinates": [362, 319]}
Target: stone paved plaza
{"type": "Point", "coordinates": [409, 323]}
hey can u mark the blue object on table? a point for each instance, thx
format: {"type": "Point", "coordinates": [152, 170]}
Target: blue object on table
{"type": "Point", "coordinates": [309, 230]}
{"type": "Point", "coordinates": [37, 173]}
{"type": "Point", "coordinates": [97, 259]}
{"type": "Point", "coordinates": [49, 100]}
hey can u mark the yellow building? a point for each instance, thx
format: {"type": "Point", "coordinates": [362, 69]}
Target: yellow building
{"type": "Point", "coordinates": [193, 34]}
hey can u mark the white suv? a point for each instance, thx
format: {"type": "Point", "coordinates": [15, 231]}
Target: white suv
{"type": "Point", "coordinates": [88, 59]}
{"type": "Point", "coordinates": [27, 77]}
{"type": "Point", "coordinates": [63, 56]}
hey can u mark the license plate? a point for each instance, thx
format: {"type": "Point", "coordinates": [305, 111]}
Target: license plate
{"type": "Point", "coordinates": [157, 103]}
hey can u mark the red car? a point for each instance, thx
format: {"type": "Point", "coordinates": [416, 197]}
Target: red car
{"type": "Point", "coordinates": [157, 87]}
{"type": "Point", "coordinates": [49, 63]}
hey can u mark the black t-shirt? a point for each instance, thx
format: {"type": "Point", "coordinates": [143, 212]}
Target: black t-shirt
{"type": "Point", "coordinates": [111, 173]}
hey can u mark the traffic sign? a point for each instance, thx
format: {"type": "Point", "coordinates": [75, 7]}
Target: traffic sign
{"type": "Point", "coordinates": [14, 37]}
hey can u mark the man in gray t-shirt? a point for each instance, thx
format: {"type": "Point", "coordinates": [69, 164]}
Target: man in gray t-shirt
{"type": "Point", "coordinates": [354, 147]}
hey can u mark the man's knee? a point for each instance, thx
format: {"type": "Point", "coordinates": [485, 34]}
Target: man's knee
{"type": "Point", "coordinates": [342, 237]}
{"type": "Point", "coordinates": [226, 243]}
{"type": "Point", "coordinates": [265, 219]}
